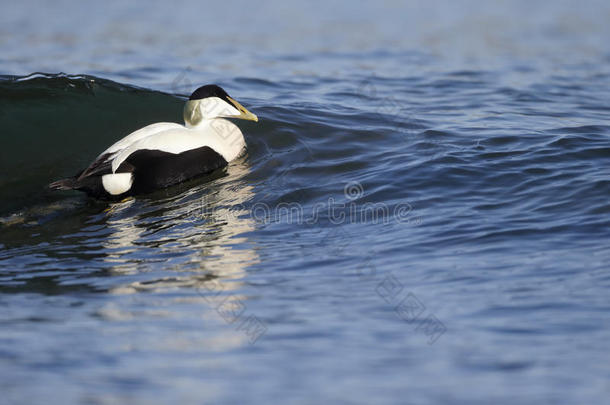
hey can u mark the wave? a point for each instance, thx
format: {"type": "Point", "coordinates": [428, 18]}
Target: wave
{"type": "Point", "coordinates": [54, 124]}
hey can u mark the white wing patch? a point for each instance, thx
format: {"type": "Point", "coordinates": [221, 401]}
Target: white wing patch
{"type": "Point", "coordinates": [117, 183]}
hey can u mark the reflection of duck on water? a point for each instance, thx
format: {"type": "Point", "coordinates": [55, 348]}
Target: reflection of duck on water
{"type": "Point", "coordinates": [198, 255]}
{"type": "Point", "coordinates": [205, 221]}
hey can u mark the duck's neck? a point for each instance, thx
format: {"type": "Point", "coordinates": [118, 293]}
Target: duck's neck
{"type": "Point", "coordinates": [222, 133]}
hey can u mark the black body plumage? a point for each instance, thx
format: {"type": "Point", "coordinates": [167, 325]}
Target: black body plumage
{"type": "Point", "coordinates": [151, 170]}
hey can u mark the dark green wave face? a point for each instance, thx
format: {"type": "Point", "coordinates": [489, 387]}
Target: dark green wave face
{"type": "Point", "coordinates": [55, 125]}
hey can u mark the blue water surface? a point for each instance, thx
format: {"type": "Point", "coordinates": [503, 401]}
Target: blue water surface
{"type": "Point", "coordinates": [421, 217]}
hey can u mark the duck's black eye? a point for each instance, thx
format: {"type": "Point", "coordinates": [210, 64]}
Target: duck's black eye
{"type": "Point", "coordinates": [209, 90]}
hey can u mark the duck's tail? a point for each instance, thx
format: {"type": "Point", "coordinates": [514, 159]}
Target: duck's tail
{"type": "Point", "coordinates": [64, 184]}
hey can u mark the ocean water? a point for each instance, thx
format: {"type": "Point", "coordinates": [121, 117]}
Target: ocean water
{"type": "Point", "coordinates": [422, 215]}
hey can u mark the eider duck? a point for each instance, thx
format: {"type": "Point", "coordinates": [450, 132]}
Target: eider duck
{"type": "Point", "coordinates": [163, 154]}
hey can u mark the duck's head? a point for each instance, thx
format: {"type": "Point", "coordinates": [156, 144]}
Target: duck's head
{"type": "Point", "coordinates": [211, 101]}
